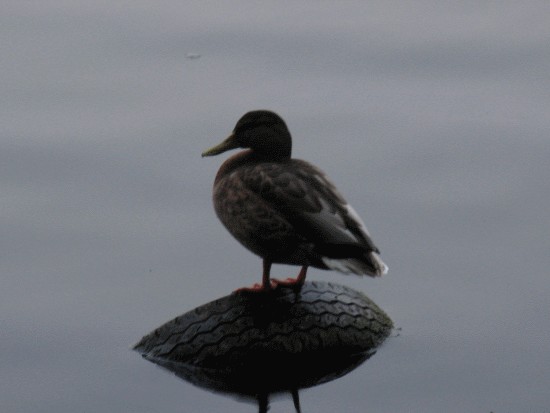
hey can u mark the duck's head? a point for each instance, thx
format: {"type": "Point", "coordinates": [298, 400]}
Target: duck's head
{"type": "Point", "coordinates": [262, 131]}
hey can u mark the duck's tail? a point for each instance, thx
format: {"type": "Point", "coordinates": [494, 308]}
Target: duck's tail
{"type": "Point", "coordinates": [370, 264]}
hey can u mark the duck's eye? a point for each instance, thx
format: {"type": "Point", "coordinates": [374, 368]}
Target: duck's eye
{"type": "Point", "coordinates": [246, 126]}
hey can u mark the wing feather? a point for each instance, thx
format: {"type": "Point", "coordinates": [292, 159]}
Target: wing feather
{"type": "Point", "coordinates": [311, 203]}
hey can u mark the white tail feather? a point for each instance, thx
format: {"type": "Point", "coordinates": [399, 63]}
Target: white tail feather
{"type": "Point", "coordinates": [381, 267]}
{"type": "Point", "coordinates": [357, 266]}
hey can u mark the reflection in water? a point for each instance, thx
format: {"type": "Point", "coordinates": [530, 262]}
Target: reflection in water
{"type": "Point", "coordinates": [257, 344]}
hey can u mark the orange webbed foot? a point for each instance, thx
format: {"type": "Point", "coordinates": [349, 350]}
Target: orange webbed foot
{"type": "Point", "coordinates": [294, 283]}
{"type": "Point", "coordinates": [257, 288]}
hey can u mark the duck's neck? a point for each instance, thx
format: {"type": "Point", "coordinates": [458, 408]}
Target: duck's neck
{"type": "Point", "coordinates": [232, 163]}
{"type": "Point", "coordinates": [243, 158]}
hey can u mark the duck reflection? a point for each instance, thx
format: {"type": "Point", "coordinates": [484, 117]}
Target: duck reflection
{"type": "Point", "coordinates": [254, 344]}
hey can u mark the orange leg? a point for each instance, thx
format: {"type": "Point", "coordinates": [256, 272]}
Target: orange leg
{"type": "Point", "coordinates": [267, 284]}
{"type": "Point", "coordinates": [293, 282]}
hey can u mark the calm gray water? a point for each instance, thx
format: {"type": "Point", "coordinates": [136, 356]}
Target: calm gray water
{"type": "Point", "coordinates": [432, 118]}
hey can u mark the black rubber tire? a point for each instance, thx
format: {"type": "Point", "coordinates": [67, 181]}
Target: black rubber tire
{"type": "Point", "coordinates": [251, 343]}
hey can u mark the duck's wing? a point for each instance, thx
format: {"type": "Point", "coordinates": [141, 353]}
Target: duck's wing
{"type": "Point", "coordinates": [312, 204]}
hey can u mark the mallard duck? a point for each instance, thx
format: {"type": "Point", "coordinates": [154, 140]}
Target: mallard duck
{"type": "Point", "coordinates": [286, 210]}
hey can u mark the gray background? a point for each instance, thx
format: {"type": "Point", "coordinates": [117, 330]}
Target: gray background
{"type": "Point", "coordinates": [431, 117]}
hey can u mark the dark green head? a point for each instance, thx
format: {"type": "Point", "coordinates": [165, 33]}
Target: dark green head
{"type": "Point", "coordinates": [262, 131]}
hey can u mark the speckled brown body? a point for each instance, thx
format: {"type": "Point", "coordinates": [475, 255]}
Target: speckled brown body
{"type": "Point", "coordinates": [241, 200]}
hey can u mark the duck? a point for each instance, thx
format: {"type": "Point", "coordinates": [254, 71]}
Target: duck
{"type": "Point", "coordinates": [286, 210]}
